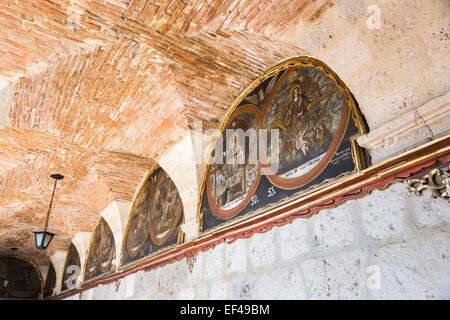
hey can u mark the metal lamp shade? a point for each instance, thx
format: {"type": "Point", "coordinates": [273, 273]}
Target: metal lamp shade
{"type": "Point", "coordinates": [42, 239]}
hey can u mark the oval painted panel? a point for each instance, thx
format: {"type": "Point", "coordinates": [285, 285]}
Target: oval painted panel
{"type": "Point", "coordinates": [102, 251]}
{"type": "Point", "coordinates": [230, 185]}
{"type": "Point", "coordinates": [107, 248]}
{"type": "Point", "coordinates": [140, 220]}
{"type": "Point", "coordinates": [23, 279]}
{"type": "Point", "coordinates": [94, 255]}
{"type": "Point", "coordinates": [166, 209]}
{"type": "Point", "coordinates": [311, 115]}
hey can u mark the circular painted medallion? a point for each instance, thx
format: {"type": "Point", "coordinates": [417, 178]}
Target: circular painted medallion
{"type": "Point", "coordinates": [234, 172]}
{"type": "Point", "coordinates": [138, 228]}
{"type": "Point", "coordinates": [166, 209]}
{"type": "Point", "coordinates": [23, 279]}
{"type": "Point", "coordinates": [311, 114]}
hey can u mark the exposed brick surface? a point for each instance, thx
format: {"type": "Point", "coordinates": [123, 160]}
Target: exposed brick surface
{"type": "Point", "coordinates": [101, 87]}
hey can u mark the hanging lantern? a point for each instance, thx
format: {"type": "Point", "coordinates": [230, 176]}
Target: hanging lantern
{"type": "Point", "coordinates": [43, 238]}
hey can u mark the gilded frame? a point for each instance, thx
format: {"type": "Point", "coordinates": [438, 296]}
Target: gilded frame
{"type": "Point", "coordinates": [86, 260]}
{"type": "Point", "coordinates": [360, 157]}
{"type": "Point", "coordinates": [180, 236]}
{"type": "Point", "coordinates": [229, 214]}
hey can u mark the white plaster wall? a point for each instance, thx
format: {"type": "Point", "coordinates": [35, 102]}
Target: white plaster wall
{"type": "Point", "coordinates": [393, 68]}
{"type": "Point", "coordinates": [179, 163]}
{"type": "Point", "coordinates": [58, 259]}
{"type": "Point", "coordinates": [81, 242]}
{"type": "Point", "coordinates": [335, 254]}
{"type": "Point", "coordinates": [116, 214]}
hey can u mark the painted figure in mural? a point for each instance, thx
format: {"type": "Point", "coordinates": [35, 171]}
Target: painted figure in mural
{"type": "Point", "coordinates": [304, 108]}
{"type": "Point", "coordinates": [140, 221]}
{"type": "Point", "coordinates": [107, 247]}
{"type": "Point", "coordinates": [166, 210]}
{"type": "Point", "coordinates": [94, 254]}
{"type": "Point", "coordinates": [102, 250]}
{"type": "Point", "coordinates": [260, 97]}
{"type": "Point", "coordinates": [232, 181]}
{"type": "Point", "coordinates": [23, 279]}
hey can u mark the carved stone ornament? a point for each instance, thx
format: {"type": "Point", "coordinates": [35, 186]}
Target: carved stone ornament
{"type": "Point", "coordinates": [437, 180]}
{"type": "Point", "coordinates": [191, 261]}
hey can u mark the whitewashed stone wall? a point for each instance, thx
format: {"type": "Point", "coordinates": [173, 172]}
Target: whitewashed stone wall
{"type": "Point", "coordinates": [336, 254]}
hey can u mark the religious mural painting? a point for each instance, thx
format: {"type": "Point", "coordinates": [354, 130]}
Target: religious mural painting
{"type": "Point", "coordinates": [232, 186]}
{"type": "Point", "coordinates": [20, 279]}
{"type": "Point", "coordinates": [155, 218]}
{"type": "Point", "coordinates": [316, 119]}
{"type": "Point", "coordinates": [50, 281]}
{"type": "Point", "coordinates": [102, 252]}
{"type": "Point", "coordinates": [72, 268]}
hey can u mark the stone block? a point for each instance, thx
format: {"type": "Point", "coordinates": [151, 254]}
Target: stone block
{"type": "Point", "coordinates": [201, 291]}
{"type": "Point", "coordinates": [219, 290]}
{"type": "Point", "coordinates": [418, 268]}
{"type": "Point", "coordinates": [243, 288]}
{"type": "Point", "coordinates": [294, 239]}
{"type": "Point", "coordinates": [384, 219]}
{"type": "Point", "coordinates": [333, 228]}
{"type": "Point", "coordinates": [428, 211]}
{"type": "Point", "coordinates": [432, 112]}
{"type": "Point", "coordinates": [214, 262]}
{"type": "Point", "coordinates": [280, 284]}
{"type": "Point", "coordinates": [341, 276]}
{"type": "Point", "coordinates": [262, 249]}
{"type": "Point", "coordinates": [236, 256]}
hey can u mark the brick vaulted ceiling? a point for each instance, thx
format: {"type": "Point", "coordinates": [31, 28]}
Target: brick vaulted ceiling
{"type": "Point", "coordinates": [98, 88]}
